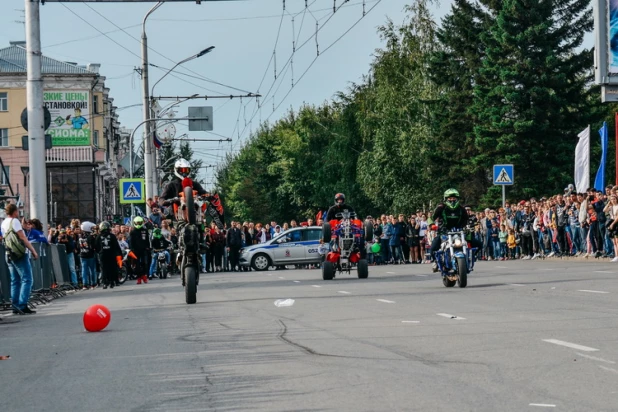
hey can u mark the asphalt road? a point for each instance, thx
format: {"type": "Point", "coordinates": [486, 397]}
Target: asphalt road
{"type": "Point", "coordinates": [523, 336]}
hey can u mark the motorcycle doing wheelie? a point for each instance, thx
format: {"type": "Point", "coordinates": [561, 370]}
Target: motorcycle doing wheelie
{"type": "Point", "coordinates": [189, 210]}
{"type": "Point", "coordinates": [455, 259]}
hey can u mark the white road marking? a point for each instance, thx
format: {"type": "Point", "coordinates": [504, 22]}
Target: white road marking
{"type": "Point", "coordinates": [548, 269]}
{"type": "Point", "coordinates": [269, 274]}
{"type": "Point", "coordinates": [344, 292]}
{"type": "Point", "coordinates": [570, 345]}
{"type": "Point", "coordinates": [297, 281]}
{"type": "Point", "coordinates": [410, 321]}
{"type": "Point", "coordinates": [592, 291]}
{"type": "Point", "coordinates": [543, 405]}
{"type": "Point", "coordinates": [516, 284]}
{"type": "Point", "coordinates": [605, 368]}
{"type": "Point", "coordinates": [502, 267]}
{"type": "Point", "coordinates": [281, 277]}
{"type": "Point", "coordinates": [446, 315]}
{"type": "Point", "coordinates": [422, 275]}
{"type": "Point", "coordinates": [603, 271]}
{"type": "Point", "coordinates": [391, 273]}
{"type": "Point", "coordinates": [385, 301]}
{"type": "Point", "coordinates": [316, 286]}
{"type": "Point", "coordinates": [597, 359]}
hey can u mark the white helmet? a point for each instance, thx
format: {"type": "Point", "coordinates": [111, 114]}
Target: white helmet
{"type": "Point", "coordinates": [182, 168]}
{"type": "Point", "coordinates": [87, 226]}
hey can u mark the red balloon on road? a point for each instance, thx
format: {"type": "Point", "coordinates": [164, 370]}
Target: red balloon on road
{"type": "Point", "coordinates": [96, 318]}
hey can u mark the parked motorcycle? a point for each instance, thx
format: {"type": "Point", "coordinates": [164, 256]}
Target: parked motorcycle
{"type": "Point", "coordinates": [162, 268]}
{"type": "Point", "coordinates": [129, 265]}
{"type": "Point", "coordinates": [455, 259]}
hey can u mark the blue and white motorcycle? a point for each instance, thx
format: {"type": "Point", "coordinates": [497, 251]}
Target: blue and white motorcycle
{"type": "Point", "coordinates": [455, 259]}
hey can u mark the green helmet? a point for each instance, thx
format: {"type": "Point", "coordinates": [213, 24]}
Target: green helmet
{"type": "Point", "coordinates": [156, 233]}
{"type": "Point", "coordinates": [453, 204]}
{"type": "Point", "coordinates": [138, 222]}
{"type": "Point", "coordinates": [103, 226]}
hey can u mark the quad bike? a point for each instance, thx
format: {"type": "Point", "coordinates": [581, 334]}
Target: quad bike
{"type": "Point", "coordinates": [455, 259]}
{"type": "Point", "coordinates": [347, 236]}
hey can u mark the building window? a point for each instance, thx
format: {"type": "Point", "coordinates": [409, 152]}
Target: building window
{"type": "Point", "coordinates": [4, 179]}
{"type": "Point", "coordinates": [95, 139]}
{"type": "Point", "coordinates": [96, 104]}
{"type": "Point", "coordinates": [4, 102]}
{"type": "Point", "coordinates": [4, 137]}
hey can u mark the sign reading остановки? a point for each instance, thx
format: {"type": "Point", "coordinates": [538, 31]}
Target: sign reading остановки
{"type": "Point", "coordinates": [70, 114]}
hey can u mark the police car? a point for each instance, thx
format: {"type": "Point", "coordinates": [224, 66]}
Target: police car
{"type": "Point", "coordinates": [298, 245]}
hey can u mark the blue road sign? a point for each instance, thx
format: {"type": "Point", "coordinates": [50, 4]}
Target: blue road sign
{"type": "Point", "coordinates": [504, 175]}
{"type": "Point", "coordinates": [127, 220]}
{"type": "Point", "coordinates": [132, 191]}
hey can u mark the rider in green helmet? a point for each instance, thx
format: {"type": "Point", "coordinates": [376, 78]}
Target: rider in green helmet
{"type": "Point", "coordinates": [139, 242]}
{"type": "Point", "coordinates": [159, 245]}
{"type": "Point", "coordinates": [452, 215]}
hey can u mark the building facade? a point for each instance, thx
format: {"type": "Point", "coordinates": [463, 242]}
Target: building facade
{"type": "Point", "coordinates": [82, 167]}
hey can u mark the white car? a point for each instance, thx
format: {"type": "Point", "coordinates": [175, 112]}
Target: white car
{"type": "Point", "coordinates": [298, 245]}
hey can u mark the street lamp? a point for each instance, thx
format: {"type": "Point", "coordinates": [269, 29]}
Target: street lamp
{"type": "Point", "coordinates": [195, 56]}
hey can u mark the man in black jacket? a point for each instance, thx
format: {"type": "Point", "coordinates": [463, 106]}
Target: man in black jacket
{"type": "Point", "coordinates": [338, 207]}
{"type": "Point", "coordinates": [106, 244]}
{"type": "Point", "coordinates": [234, 243]}
{"type": "Point", "coordinates": [139, 243]}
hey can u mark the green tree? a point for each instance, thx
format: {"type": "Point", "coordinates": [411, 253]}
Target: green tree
{"type": "Point", "coordinates": [532, 95]}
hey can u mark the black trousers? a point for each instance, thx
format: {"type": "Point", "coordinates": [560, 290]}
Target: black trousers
{"type": "Point", "coordinates": [109, 270]}
{"type": "Point", "coordinates": [562, 240]}
{"type": "Point", "coordinates": [526, 245]}
{"type": "Point", "coordinates": [234, 256]}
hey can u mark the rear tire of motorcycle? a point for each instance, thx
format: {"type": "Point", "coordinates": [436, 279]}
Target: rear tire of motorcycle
{"type": "Point", "coordinates": [190, 285]}
{"type": "Point", "coordinates": [326, 233]}
{"type": "Point", "coordinates": [363, 269]}
{"type": "Point", "coordinates": [328, 270]}
{"type": "Point", "coordinates": [462, 272]}
{"type": "Point", "coordinates": [368, 232]}
{"type": "Point", "coordinates": [122, 275]}
{"type": "Point", "coordinates": [188, 193]}
{"type": "Point", "coordinates": [164, 271]}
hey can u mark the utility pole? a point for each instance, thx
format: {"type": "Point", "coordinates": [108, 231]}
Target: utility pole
{"type": "Point", "coordinates": [149, 155]}
{"type": "Point", "coordinates": [36, 127]}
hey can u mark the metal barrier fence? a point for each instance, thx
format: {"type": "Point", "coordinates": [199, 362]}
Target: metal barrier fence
{"type": "Point", "coordinates": [50, 273]}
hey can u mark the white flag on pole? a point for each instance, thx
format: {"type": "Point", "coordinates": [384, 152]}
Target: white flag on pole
{"type": "Point", "coordinates": [582, 161]}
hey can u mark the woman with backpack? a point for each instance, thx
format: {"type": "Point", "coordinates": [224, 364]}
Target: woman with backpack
{"type": "Point", "coordinates": [17, 259]}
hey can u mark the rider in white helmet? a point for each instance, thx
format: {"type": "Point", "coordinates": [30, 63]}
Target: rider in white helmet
{"type": "Point", "coordinates": [182, 170]}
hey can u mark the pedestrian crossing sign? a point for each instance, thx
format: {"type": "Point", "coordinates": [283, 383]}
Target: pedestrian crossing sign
{"type": "Point", "coordinates": [132, 191]}
{"type": "Point", "coordinates": [504, 175]}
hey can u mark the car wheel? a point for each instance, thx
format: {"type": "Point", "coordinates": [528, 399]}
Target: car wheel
{"type": "Point", "coordinates": [260, 262]}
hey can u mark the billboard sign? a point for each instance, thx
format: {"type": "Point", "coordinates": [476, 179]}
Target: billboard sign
{"type": "Point", "coordinates": [613, 36]}
{"type": "Point", "coordinates": [70, 115]}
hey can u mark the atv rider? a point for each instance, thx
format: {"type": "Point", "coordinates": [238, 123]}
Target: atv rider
{"type": "Point", "coordinates": [453, 216]}
{"type": "Point", "coordinates": [338, 207]}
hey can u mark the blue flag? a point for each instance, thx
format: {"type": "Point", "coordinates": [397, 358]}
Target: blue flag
{"type": "Point", "coordinates": [599, 182]}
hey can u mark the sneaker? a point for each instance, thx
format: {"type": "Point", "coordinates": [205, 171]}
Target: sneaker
{"type": "Point", "coordinates": [615, 259]}
{"type": "Point", "coordinates": [86, 287]}
{"type": "Point", "coordinates": [104, 286]}
{"type": "Point", "coordinates": [28, 311]}
{"type": "Point", "coordinates": [551, 254]}
{"type": "Point", "coordinates": [536, 255]}
{"type": "Point", "coordinates": [145, 278]}
{"type": "Point", "coordinates": [139, 280]}
{"type": "Point", "coordinates": [434, 267]}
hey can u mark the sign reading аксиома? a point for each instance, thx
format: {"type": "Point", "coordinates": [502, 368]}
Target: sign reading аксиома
{"type": "Point", "coordinates": [70, 114]}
